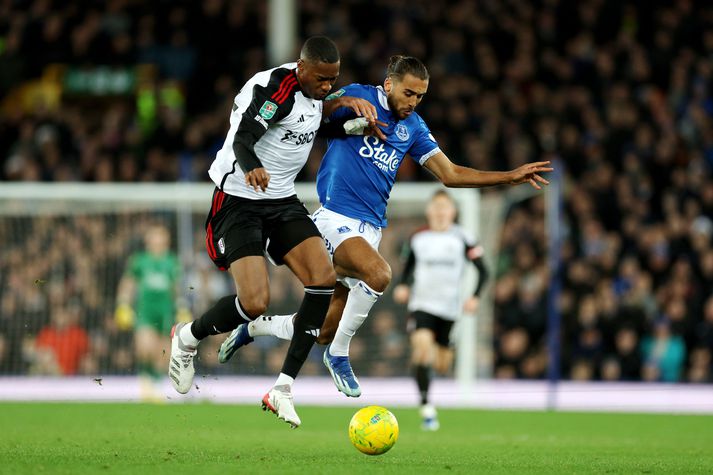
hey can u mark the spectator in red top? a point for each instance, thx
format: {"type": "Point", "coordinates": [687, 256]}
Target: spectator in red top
{"type": "Point", "coordinates": [62, 344]}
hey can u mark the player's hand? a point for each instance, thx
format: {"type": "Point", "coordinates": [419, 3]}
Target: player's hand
{"type": "Point", "coordinates": [361, 107]}
{"type": "Point", "coordinates": [530, 173]}
{"type": "Point", "coordinates": [401, 293]}
{"type": "Point", "coordinates": [375, 130]}
{"type": "Point", "coordinates": [183, 315]}
{"type": "Point", "coordinates": [257, 178]}
{"type": "Point", "coordinates": [124, 317]}
{"type": "Point", "coordinates": [471, 305]}
{"type": "Point", "coordinates": [361, 126]}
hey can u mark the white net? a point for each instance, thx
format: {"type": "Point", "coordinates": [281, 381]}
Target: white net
{"type": "Point", "coordinates": [66, 247]}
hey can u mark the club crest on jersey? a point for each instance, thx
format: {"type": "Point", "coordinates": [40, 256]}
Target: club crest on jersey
{"type": "Point", "coordinates": [402, 132]}
{"type": "Point", "coordinates": [268, 110]}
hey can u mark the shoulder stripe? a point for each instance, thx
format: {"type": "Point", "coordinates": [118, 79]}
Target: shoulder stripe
{"type": "Point", "coordinates": [287, 83]}
{"type": "Point", "coordinates": [283, 83]}
{"type": "Point", "coordinates": [286, 92]}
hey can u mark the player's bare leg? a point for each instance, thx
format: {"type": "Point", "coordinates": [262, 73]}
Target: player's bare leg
{"type": "Point", "coordinates": [282, 326]}
{"type": "Point", "coordinates": [310, 263]}
{"type": "Point", "coordinates": [444, 360]}
{"type": "Point", "coordinates": [369, 276]}
{"type": "Point", "coordinates": [334, 314]}
{"type": "Point", "coordinates": [423, 357]}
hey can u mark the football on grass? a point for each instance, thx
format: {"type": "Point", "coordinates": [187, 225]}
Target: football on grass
{"type": "Point", "coordinates": [373, 430]}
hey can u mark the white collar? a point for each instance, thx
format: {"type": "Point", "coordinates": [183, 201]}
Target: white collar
{"type": "Point", "coordinates": [382, 98]}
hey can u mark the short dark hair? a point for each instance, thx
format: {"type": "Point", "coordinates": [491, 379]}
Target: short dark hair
{"type": "Point", "coordinates": [320, 49]}
{"type": "Point", "coordinates": [399, 66]}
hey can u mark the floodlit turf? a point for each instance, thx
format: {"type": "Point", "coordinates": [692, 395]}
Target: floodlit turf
{"type": "Point", "coordinates": [218, 439]}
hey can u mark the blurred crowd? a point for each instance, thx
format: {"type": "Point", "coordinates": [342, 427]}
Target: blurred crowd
{"type": "Point", "coordinates": [58, 296]}
{"type": "Point", "coordinates": [618, 92]}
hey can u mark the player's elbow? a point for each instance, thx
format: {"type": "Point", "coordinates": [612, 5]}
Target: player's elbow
{"type": "Point", "coordinates": [450, 181]}
{"type": "Point", "coordinates": [450, 177]}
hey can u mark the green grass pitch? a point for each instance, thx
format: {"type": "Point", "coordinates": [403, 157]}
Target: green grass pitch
{"type": "Point", "coordinates": [220, 439]}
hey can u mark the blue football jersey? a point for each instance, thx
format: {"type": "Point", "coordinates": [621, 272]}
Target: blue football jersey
{"type": "Point", "coordinates": [358, 172]}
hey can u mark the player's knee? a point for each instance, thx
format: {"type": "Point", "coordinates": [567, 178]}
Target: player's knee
{"type": "Point", "coordinates": [441, 368]}
{"type": "Point", "coordinates": [379, 276]}
{"type": "Point", "coordinates": [421, 350]}
{"type": "Point", "coordinates": [419, 357]}
{"type": "Point", "coordinates": [255, 305]}
{"type": "Point", "coordinates": [322, 277]}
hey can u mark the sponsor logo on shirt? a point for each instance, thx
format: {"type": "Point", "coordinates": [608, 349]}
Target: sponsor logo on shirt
{"type": "Point", "coordinates": [298, 139]}
{"type": "Point", "coordinates": [268, 109]}
{"type": "Point", "coordinates": [374, 149]}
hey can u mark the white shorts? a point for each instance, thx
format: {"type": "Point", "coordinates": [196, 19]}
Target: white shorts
{"type": "Point", "coordinates": [337, 228]}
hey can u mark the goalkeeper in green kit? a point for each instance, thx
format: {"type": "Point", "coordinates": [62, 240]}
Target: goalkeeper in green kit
{"type": "Point", "coordinates": [148, 300]}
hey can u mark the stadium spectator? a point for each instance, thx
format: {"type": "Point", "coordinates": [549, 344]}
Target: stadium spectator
{"type": "Point", "coordinates": [663, 353]}
{"type": "Point", "coordinates": [60, 347]}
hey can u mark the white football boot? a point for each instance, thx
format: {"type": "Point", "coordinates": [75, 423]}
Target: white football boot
{"type": "Point", "coordinates": [429, 417]}
{"type": "Point", "coordinates": [279, 401]}
{"type": "Point", "coordinates": [180, 367]}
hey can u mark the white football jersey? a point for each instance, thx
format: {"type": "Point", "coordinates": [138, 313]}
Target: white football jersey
{"type": "Point", "coordinates": [440, 260]}
{"type": "Point", "coordinates": [280, 123]}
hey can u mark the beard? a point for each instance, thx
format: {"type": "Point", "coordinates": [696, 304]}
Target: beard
{"type": "Point", "coordinates": [399, 113]}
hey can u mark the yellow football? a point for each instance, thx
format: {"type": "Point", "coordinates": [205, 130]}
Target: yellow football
{"type": "Point", "coordinates": [373, 430]}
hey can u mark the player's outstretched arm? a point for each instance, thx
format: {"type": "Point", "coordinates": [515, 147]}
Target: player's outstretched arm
{"type": "Point", "coordinates": [456, 176]}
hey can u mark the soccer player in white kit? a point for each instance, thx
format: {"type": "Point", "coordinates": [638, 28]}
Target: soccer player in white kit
{"type": "Point", "coordinates": [354, 182]}
{"type": "Point", "coordinates": [255, 212]}
{"type": "Point", "coordinates": [437, 259]}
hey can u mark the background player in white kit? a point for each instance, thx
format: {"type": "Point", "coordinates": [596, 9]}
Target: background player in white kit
{"type": "Point", "coordinates": [436, 260]}
{"type": "Point", "coordinates": [354, 183]}
{"type": "Point", "coordinates": [255, 211]}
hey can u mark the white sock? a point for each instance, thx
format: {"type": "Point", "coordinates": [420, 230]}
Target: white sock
{"type": "Point", "coordinates": [284, 379]}
{"type": "Point", "coordinates": [360, 300]}
{"type": "Point", "coordinates": [186, 336]}
{"type": "Point", "coordinates": [280, 326]}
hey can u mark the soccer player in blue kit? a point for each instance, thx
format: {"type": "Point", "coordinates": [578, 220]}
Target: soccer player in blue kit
{"type": "Point", "coordinates": [354, 183]}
